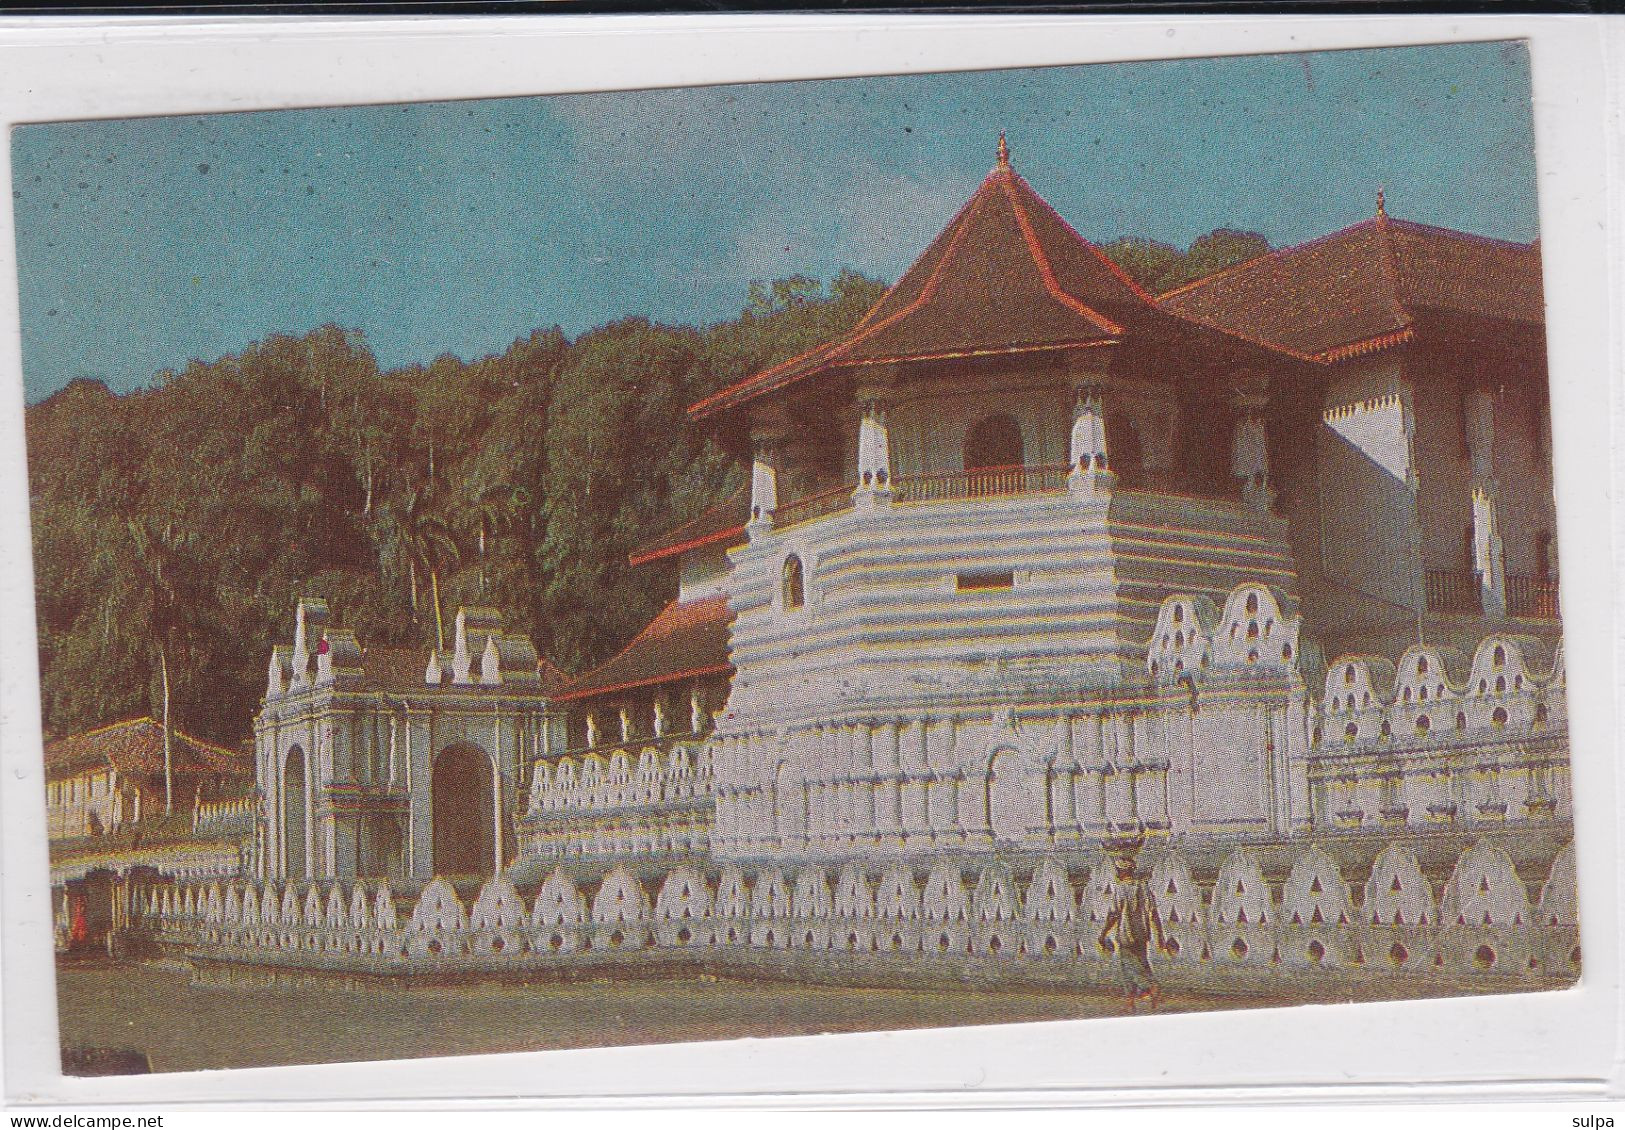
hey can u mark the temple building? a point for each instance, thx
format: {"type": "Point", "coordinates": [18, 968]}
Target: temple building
{"type": "Point", "coordinates": [1033, 554]}
{"type": "Point", "coordinates": [1029, 557]}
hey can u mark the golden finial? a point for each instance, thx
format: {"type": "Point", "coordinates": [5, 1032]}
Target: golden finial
{"type": "Point", "coordinates": [1381, 209]}
{"type": "Point", "coordinates": [1004, 154]}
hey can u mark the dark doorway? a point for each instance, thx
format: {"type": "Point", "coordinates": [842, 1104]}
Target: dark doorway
{"type": "Point", "coordinates": [293, 813]}
{"type": "Point", "coordinates": [384, 849]}
{"type": "Point", "coordinates": [993, 441]}
{"type": "Point", "coordinates": [464, 812]}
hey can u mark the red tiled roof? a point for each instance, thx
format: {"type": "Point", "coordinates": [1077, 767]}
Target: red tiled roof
{"type": "Point", "coordinates": [1358, 290]}
{"type": "Point", "coordinates": [722, 523]}
{"type": "Point", "coordinates": [684, 641]}
{"type": "Point", "coordinates": [136, 748]}
{"type": "Point", "coordinates": [1008, 275]}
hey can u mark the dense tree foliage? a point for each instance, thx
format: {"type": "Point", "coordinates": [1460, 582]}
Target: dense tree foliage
{"type": "Point", "coordinates": [174, 527]}
{"type": "Point", "coordinates": [1161, 267]}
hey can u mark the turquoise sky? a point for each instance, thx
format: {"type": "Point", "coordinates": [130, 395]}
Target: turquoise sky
{"type": "Point", "coordinates": [457, 227]}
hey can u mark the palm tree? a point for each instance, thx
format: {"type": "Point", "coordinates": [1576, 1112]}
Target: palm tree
{"type": "Point", "coordinates": [426, 539]}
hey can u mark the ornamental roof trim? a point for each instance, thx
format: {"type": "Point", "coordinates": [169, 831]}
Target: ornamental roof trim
{"type": "Point", "coordinates": [1007, 275]}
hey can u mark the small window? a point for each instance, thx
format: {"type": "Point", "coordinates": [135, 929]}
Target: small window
{"type": "Point", "coordinates": [970, 582]}
{"type": "Point", "coordinates": [795, 588]}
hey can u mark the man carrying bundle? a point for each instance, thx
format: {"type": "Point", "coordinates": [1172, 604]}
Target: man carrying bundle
{"type": "Point", "coordinates": [1134, 920]}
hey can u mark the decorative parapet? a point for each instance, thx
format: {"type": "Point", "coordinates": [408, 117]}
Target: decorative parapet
{"type": "Point", "coordinates": [1193, 639]}
{"type": "Point", "coordinates": [1442, 741]}
{"type": "Point", "coordinates": [1511, 691]}
{"type": "Point", "coordinates": [1320, 918]}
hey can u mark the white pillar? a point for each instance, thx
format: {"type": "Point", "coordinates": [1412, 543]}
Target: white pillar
{"type": "Point", "coordinates": [1091, 472]}
{"type": "Point", "coordinates": [874, 456]}
{"type": "Point", "coordinates": [764, 487]}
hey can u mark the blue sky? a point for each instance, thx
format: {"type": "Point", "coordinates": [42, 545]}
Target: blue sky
{"type": "Point", "coordinates": [456, 227]}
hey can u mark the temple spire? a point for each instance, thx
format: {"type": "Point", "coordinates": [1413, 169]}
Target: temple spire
{"type": "Point", "coordinates": [1382, 210]}
{"type": "Point", "coordinates": [1004, 154]}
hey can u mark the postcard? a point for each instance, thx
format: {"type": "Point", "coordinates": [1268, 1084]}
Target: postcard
{"type": "Point", "coordinates": [834, 555]}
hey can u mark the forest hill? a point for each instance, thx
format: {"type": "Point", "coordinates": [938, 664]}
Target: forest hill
{"type": "Point", "coordinates": [175, 526]}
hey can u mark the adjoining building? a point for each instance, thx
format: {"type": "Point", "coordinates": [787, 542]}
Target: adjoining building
{"type": "Point", "coordinates": [107, 798]}
{"type": "Point", "coordinates": [112, 812]}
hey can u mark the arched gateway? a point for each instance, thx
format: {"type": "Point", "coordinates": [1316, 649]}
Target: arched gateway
{"type": "Point", "coordinates": [462, 792]}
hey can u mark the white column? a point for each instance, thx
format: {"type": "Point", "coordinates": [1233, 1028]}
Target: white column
{"type": "Point", "coordinates": [496, 811]}
{"type": "Point", "coordinates": [764, 486]}
{"type": "Point", "coordinates": [1091, 472]}
{"type": "Point", "coordinates": [874, 456]}
{"type": "Point", "coordinates": [311, 764]}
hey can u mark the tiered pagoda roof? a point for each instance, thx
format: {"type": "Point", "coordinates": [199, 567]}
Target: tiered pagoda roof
{"type": "Point", "coordinates": [1007, 276]}
{"type": "Point", "coordinates": [687, 640]}
{"type": "Point", "coordinates": [1361, 289]}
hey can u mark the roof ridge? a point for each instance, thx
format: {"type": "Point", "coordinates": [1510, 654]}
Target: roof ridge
{"type": "Point", "coordinates": [1390, 267]}
{"type": "Point", "coordinates": [1474, 237]}
{"type": "Point", "coordinates": [644, 633]}
{"type": "Point", "coordinates": [1275, 253]}
{"type": "Point", "coordinates": [104, 728]}
{"type": "Point", "coordinates": [832, 350]}
{"type": "Point", "coordinates": [1122, 275]}
{"type": "Point", "coordinates": [1406, 225]}
{"type": "Point", "coordinates": [1046, 272]}
{"type": "Point", "coordinates": [955, 225]}
{"type": "Point", "coordinates": [959, 226]}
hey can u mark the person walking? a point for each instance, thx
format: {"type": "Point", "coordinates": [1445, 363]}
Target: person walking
{"type": "Point", "coordinates": [1132, 923]}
